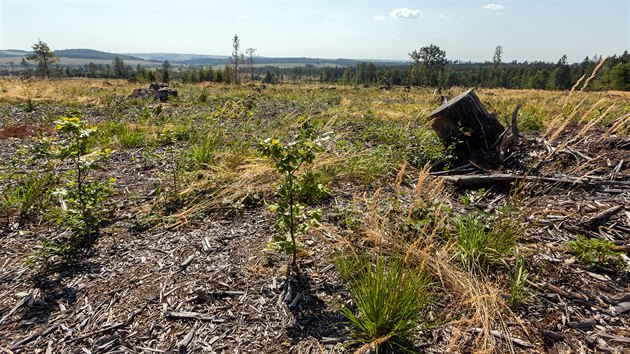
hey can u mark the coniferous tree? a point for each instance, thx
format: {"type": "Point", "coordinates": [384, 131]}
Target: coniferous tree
{"type": "Point", "coordinates": [620, 77]}
{"type": "Point", "coordinates": [496, 61]}
{"type": "Point", "coordinates": [268, 79]}
{"type": "Point", "coordinates": [209, 74]}
{"type": "Point", "coordinates": [227, 74]}
{"type": "Point", "coordinates": [251, 54]}
{"type": "Point", "coordinates": [560, 78]}
{"type": "Point", "coordinates": [120, 71]}
{"type": "Point", "coordinates": [44, 58]}
{"type": "Point", "coordinates": [166, 71]}
{"type": "Point", "coordinates": [236, 56]}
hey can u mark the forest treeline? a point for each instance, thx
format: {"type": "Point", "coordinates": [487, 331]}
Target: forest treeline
{"type": "Point", "coordinates": [613, 74]}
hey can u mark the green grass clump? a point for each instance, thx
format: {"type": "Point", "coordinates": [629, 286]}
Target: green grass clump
{"type": "Point", "coordinates": [389, 297]}
{"type": "Point", "coordinates": [483, 243]}
{"type": "Point", "coordinates": [593, 251]}
{"type": "Point", "coordinates": [204, 151]}
{"type": "Point", "coordinates": [519, 284]}
{"type": "Point", "coordinates": [125, 135]}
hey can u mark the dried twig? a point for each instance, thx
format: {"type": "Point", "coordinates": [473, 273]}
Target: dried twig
{"type": "Point", "coordinates": [34, 336]}
{"type": "Point", "coordinates": [508, 338]}
{"type": "Point", "coordinates": [603, 216]}
{"type": "Point", "coordinates": [114, 326]}
{"type": "Point", "coordinates": [191, 316]}
{"type": "Point", "coordinates": [20, 303]}
{"type": "Point", "coordinates": [183, 344]}
{"type": "Point", "coordinates": [472, 180]}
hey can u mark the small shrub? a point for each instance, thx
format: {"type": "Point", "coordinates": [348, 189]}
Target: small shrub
{"type": "Point", "coordinates": [176, 159]}
{"type": "Point", "coordinates": [389, 297]}
{"type": "Point", "coordinates": [292, 217]}
{"type": "Point", "coordinates": [81, 198]}
{"type": "Point", "coordinates": [29, 105]}
{"type": "Point", "coordinates": [593, 251]}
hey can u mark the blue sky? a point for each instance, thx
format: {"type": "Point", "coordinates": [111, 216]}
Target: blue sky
{"type": "Point", "coordinates": [466, 30]}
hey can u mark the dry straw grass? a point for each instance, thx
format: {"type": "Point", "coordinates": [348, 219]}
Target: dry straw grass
{"type": "Point", "coordinates": [224, 188]}
{"type": "Point", "coordinates": [588, 80]}
{"type": "Point", "coordinates": [230, 186]}
{"type": "Point", "coordinates": [474, 299]}
{"type": "Point", "coordinates": [75, 91]}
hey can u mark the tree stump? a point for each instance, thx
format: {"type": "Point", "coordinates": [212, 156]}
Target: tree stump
{"type": "Point", "coordinates": [466, 127]}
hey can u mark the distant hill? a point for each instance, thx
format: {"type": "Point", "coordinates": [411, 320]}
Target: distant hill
{"type": "Point", "coordinates": [217, 60]}
{"type": "Point", "coordinates": [92, 54]}
{"type": "Point", "coordinates": [9, 53]}
{"type": "Point", "coordinates": [85, 56]}
{"type": "Point", "coordinates": [176, 57]}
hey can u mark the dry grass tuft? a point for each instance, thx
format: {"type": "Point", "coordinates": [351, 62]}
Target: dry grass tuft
{"type": "Point", "coordinates": [620, 126]}
{"type": "Point", "coordinates": [474, 299]}
{"type": "Point", "coordinates": [223, 189]}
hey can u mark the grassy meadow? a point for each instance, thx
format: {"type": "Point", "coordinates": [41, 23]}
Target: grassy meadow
{"type": "Point", "coordinates": [454, 266]}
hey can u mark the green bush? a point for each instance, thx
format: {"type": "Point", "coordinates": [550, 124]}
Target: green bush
{"type": "Point", "coordinates": [311, 187]}
{"type": "Point", "coordinates": [81, 197]}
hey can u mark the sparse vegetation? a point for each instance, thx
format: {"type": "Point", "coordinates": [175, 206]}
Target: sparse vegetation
{"type": "Point", "coordinates": [595, 251]}
{"type": "Point", "coordinates": [519, 282]}
{"type": "Point", "coordinates": [483, 242]}
{"type": "Point", "coordinates": [192, 193]}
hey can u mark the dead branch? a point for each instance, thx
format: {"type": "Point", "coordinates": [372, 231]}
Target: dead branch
{"type": "Point", "coordinates": [603, 216]}
{"type": "Point", "coordinates": [473, 180]}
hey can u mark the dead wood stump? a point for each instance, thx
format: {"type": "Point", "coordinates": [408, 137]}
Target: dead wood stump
{"type": "Point", "coordinates": [464, 125]}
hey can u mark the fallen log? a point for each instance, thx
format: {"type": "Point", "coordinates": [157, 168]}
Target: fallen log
{"type": "Point", "coordinates": [473, 180]}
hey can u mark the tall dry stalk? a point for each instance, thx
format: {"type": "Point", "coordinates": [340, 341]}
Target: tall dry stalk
{"type": "Point", "coordinates": [594, 73]}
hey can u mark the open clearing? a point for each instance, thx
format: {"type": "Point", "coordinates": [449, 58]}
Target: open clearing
{"type": "Point", "coordinates": [180, 261]}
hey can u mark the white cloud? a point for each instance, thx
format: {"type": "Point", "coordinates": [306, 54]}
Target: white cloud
{"type": "Point", "coordinates": [379, 18]}
{"type": "Point", "coordinates": [406, 13]}
{"type": "Point", "coordinates": [494, 7]}
{"type": "Point", "coordinates": [242, 17]}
